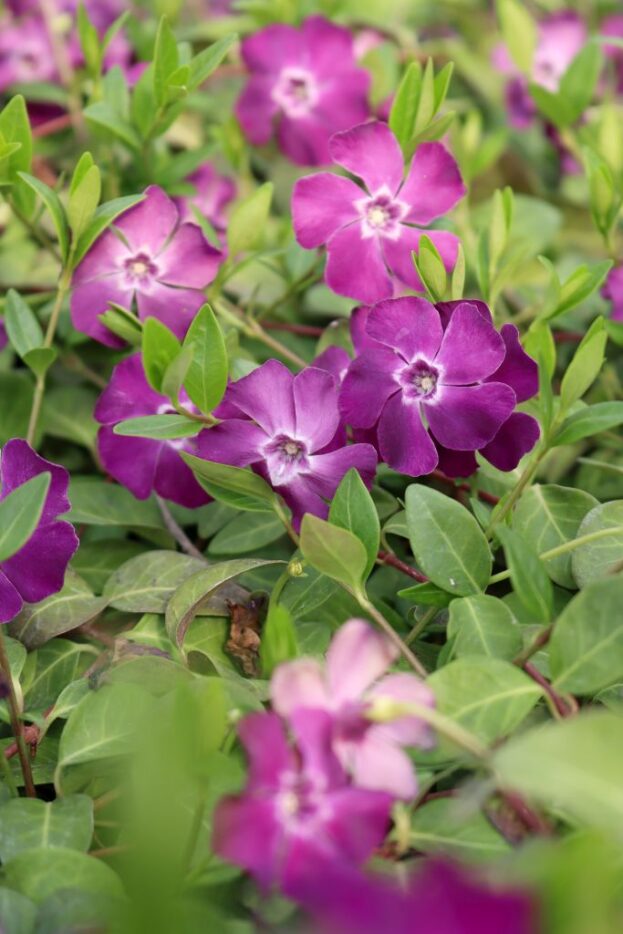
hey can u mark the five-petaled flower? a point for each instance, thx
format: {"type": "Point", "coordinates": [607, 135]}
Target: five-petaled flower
{"type": "Point", "coordinates": [418, 383]}
{"type": "Point", "coordinates": [289, 431]}
{"type": "Point", "coordinates": [148, 256]}
{"type": "Point", "coordinates": [213, 192]}
{"type": "Point", "coordinates": [370, 752]}
{"type": "Point", "coordinates": [297, 804]}
{"type": "Point", "coordinates": [306, 81]}
{"type": "Point", "coordinates": [143, 465]}
{"type": "Point", "coordinates": [371, 233]}
{"type": "Point", "coordinates": [37, 570]}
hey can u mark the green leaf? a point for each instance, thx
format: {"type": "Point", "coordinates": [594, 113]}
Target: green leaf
{"type": "Point", "coordinates": [89, 41]}
{"type": "Point", "coordinates": [279, 643]}
{"type": "Point", "coordinates": [246, 532]}
{"type": "Point", "coordinates": [585, 365]}
{"type": "Point", "coordinates": [200, 590]}
{"type": "Point", "coordinates": [586, 647]}
{"type": "Point", "coordinates": [604, 554]}
{"type": "Point", "coordinates": [553, 106]}
{"type": "Point", "coordinates": [216, 478]}
{"type": "Point", "coordinates": [83, 201]}
{"type": "Point", "coordinates": [549, 516]}
{"type": "Point", "coordinates": [574, 765]}
{"type": "Point", "coordinates": [353, 509]}
{"type": "Point", "coordinates": [166, 60]}
{"type": "Point", "coordinates": [175, 374]}
{"type": "Point", "coordinates": [27, 823]}
{"type": "Point", "coordinates": [426, 594]}
{"type": "Point", "coordinates": [334, 551]}
{"type": "Point", "coordinates": [72, 606]}
{"type": "Point", "coordinates": [17, 914]}
{"type": "Point", "coordinates": [448, 544]}
{"type": "Point", "coordinates": [20, 512]}
{"type": "Point", "coordinates": [51, 668]}
{"type": "Point", "coordinates": [40, 359]}
{"type": "Point", "coordinates": [124, 324]}
{"type": "Point", "coordinates": [404, 107]}
{"type": "Point", "coordinates": [39, 873]}
{"type": "Point", "coordinates": [431, 269]}
{"type": "Point", "coordinates": [104, 117]}
{"type": "Point", "coordinates": [487, 696]}
{"type": "Point", "coordinates": [94, 502]}
{"type": "Point", "coordinates": [104, 216]}
{"type": "Point", "coordinates": [581, 284]}
{"type": "Point", "coordinates": [160, 348]}
{"type": "Point", "coordinates": [528, 575]}
{"type": "Point", "coordinates": [207, 61]}
{"type": "Point", "coordinates": [519, 31]}
{"type": "Point", "coordinates": [206, 378]}
{"type": "Point", "coordinates": [483, 625]}
{"type": "Point", "coordinates": [578, 83]}
{"type": "Point", "coordinates": [54, 208]}
{"type": "Point", "coordinates": [145, 582]}
{"type": "Point", "coordinates": [68, 414]}
{"type": "Point", "coordinates": [15, 129]}
{"type": "Point", "coordinates": [23, 328]}
{"type": "Point", "coordinates": [442, 826]}
{"type": "Point", "coordinates": [590, 421]}
{"type": "Point", "coordinates": [158, 427]}
{"type": "Point", "coordinates": [248, 219]}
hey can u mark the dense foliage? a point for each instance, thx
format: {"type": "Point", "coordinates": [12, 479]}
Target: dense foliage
{"type": "Point", "coordinates": [311, 503]}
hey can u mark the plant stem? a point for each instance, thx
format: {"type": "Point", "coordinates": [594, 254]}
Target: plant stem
{"type": "Point", "coordinates": [389, 630]}
{"type": "Point", "coordinates": [559, 707]}
{"type": "Point", "coordinates": [541, 640]}
{"type": "Point", "coordinates": [16, 723]}
{"type": "Point", "coordinates": [384, 710]}
{"type": "Point", "coordinates": [254, 329]}
{"type": "Point", "coordinates": [37, 399]}
{"type": "Point", "coordinates": [177, 532]}
{"type": "Point", "coordinates": [387, 557]}
{"type": "Point", "coordinates": [421, 624]}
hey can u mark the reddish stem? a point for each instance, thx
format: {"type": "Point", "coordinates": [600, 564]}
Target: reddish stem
{"type": "Point", "coordinates": [567, 337]}
{"type": "Point", "coordinates": [305, 330]}
{"type": "Point", "coordinates": [465, 488]}
{"type": "Point", "coordinates": [563, 708]}
{"type": "Point", "coordinates": [52, 126]}
{"type": "Point", "coordinates": [385, 557]}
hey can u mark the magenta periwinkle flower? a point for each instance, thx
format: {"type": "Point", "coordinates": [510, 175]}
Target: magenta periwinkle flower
{"type": "Point", "coordinates": [297, 805]}
{"type": "Point", "coordinates": [213, 192]}
{"type": "Point", "coordinates": [370, 233]}
{"type": "Point", "coordinates": [346, 688]}
{"type": "Point", "coordinates": [560, 38]}
{"type": "Point", "coordinates": [306, 83]}
{"type": "Point", "coordinates": [25, 52]}
{"type": "Point", "coordinates": [147, 257]}
{"type": "Point", "coordinates": [421, 385]}
{"type": "Point", "coordinates": [37, 570]}
{"type": "Point", "coordinates": [289, 431]}
{"type": "Point", "coordinates": [143, 465]}
{"type": "Point", "coordinates": [613, 292]}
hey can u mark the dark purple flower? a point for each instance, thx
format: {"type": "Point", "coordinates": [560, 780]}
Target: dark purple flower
{"type": "Point", "coordinates": [289, 431]}
{"type": "Point", "coordinates": [439, 897]}
{"type": "Point", "coordinates": [560, 38]}
{"type": "Point", "coordinates": [370, 233]}
{"type": "Point", "coordinates": [213, 193]}
{"type": "Point", "coordinates": [613, 291]}
{"type": "Point", "coordinates": [415, 371]}
{"type": "Point", "coordinates": [297, 804]}
{"type": "Point", "coordinates": [143, 464]}
{"type": "Point", "coordinates": [148, 256]}
{"type": "Point", "coordinates": [371, 752]}
{"type": "Point", "coordinates": [307, 82]}
{"type": "Point", "coordinates": [37, 570]}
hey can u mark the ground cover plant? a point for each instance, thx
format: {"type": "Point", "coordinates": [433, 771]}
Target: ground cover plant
{"type": "Point", "coordinates": [311, 472]}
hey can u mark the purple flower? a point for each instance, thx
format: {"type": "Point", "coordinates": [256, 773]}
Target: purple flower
{"type": "Point", "coordinates": [560, 38]}
{"type": "Point", "coordinates": [370, 752]}
{"type": "Point", "coordinates": [148, 256]}
{"type": "Point", "coordinates": [289, 431]}
{"type": "Point", "coordinates": [613, 291]}
{"type": "Point", "coordinates": [370, 233]}
{"type": "Point", "coordinates": [4, 340]}
{"type": "Point", "coordinates": [37, 570]}
{"type": "Point", "coordinates": [417, 382]}
{"type": "Point", "coordinates": [297, 805]}
{"type": "Point", "coordinates": [307, 82]}
{"type": "Point", "coordinates": [25, 52]}
{"type": "Point", "coordinates": [213, 193]}
{"type": "Point", "coordinates": [143, 464]}
{"type": "Point", "coordinates": [439, 897]}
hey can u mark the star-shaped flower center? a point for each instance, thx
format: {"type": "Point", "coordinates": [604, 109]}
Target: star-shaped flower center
{"type": "Point", "coordinates": [285, 458]}
{"type": "Point", "coordinates": [381, 215]}
{"type": "Point", "coordinates": [140, 268]}
{"type": "Point", "coordinates": [296, 92]}
{"type": "Point", "coordinates": [419, 381]}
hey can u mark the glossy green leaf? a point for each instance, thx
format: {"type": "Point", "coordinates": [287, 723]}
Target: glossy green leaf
{"type": "Point", "coordinates": [246, 532]}
{"type": "Point", "coordinates": [23, 328]}
{"type": "Point", "coordinates": [104, 216]}
{"type": "Point", "coordinates": [483, 625]}
{"type": "Point", "coordinates": [27, 823]}
{"type": "Point", "coordinates": [590, 421]}
{"type": "Point", "coordinates": [528, 575]}
{"type": "Point", "coordinates": [441, 826]}
{"type": "Point", "coordinates": [20, 512]}
{"type": "Point", "coordinates": [94, 502]}
{"type": "Point", "coordinates": [206, 378]}
{"type": "Point", "coordinates": [333, 551]}
{"type": "Point", "coordinates": [239, 481]}
{"type": "Point", "coordinates": [585, 365]}
{"type": "Point", "coordinates": [54, 207]}
{"type": "Point", "coordinates": [38, 873]}
{"type": "Point", "coordinates": [158, 427]}
{"type": "Point", "coordinates": [279, 642]}
{"type": "Point", "coordinates": [61, 612]}
{"type": "Point", "coordinates": [166, 60]}
{"type": "Point", "coordinates": [145, 582]}
{"type": "Point", "coordinates": [603, 554]}
{"type": "Point", "coordinates": [160, 348]}
{"type": "Point", "coordinates": [352, 508]}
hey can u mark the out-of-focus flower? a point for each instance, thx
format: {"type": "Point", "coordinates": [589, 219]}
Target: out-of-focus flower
{"type": "Point", "coordinates": [148, 256]}
{"type": "Point", "coordinates": [305, 81]}
{"type": "Point", "coordinates": [297, 806]}
{"type": "Point", "coordinates": [289, 431]}
{"type": "Point", "coordinates": [415, 370]}
{"type": "Point", "coordinates": [613, 26]}
{"type": "Point", "coordinates": [370, 233]}
{"type": "Point", "coordinates": [560, 38]}
{"type": "Point", "coordinates": [371, 752]}
{"type": "Point", "coordinates": [213, 193]}
{"type": "Point", "coordinates": [37, 570]}
{"type": "Point", "coordinates": [613, 292]}
{"type": "Point", "coordinates": [144, 465]}
{"type": "Point", "coordinates": [25, 52]}
{"type": "Point", "coordinates": [4, 340]}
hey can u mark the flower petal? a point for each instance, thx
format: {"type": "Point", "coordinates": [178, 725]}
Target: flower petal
{"type": "Point", "coordinates": [408, 730]}
{"type": "Point", "coordinates": [321, 204]}
{"type": "Point", "coordinates": [367, 386]}
{"type": "Point", "coordinates": [327, 470]}
{"type": "Point", "coordinates": [256, 109]}
{"type": "Point", "coordinates": [359, 823]}
{"type": "Point", "coordinates": [516, 437]}
{"type": "Point", "coordinates": [273, 47]}
{"type": "Point", "coordinates": [433, 185]}
{"type": "Point", "coordinates": [371, 152]}
{"type": "Point", "coordinates": [456, 463]}
{"type": "Point", "coordinates": [330, 46]}
{"type": "Point", "coordinates": [148, 224]}
{"type": "Point", "coordinates": [174, 307]}
{"type": "Point", "coordinates": [471, 348]}
{"type": "Point", "coordinates": [130, 461]}
{"type": "Point", "coordinates": [246, 833]}
{"type": "Point", "coordinates": [304, 139]}
{"type": "Point", "coordinates": [355, 266]}
{"type": "Point", "coordinates": [380, 765]}
{"type": "Point", "coordinates": [357, 656]}
{"type": "Point", "coordinates": [20, 463]}
{"type": "Point", "coordinates": [468, 417]}
{"type": "Point", "coordinates": [398, 252]}
{"type": "Point", "coordinates": [188, 259]}
{"type": "Point", "coordinates": [301, 496]}
{"type": "Point", "coordinates": [104, 258]}
{"type": "Point", "coordinates": [234, 441]}
{"type": "Point", "coordinates": [90, 299]}
{"type": "Point", "coordinates": [174, 480]}
{"type": "Point", "coordinates": [264, 740]}
{"type": "Point", "coordinates": [297, 684]}
{"type": "Point", "coordinates": [128, 394]}
{"type": "Point", "coordinates": [404, 442]}
{"type": "Point", "coordinates": [410, 325]}
{"type": "Point", "coordinates": [10, 600]}
{"type": "Point", "coordinates": [517, 370]}
{"type": "Point", "coordinates": [315, 405]}
{"type": "Point", "coordinates": [266, 396]}
{"type": "Point", "coordinates": [38, 569]}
